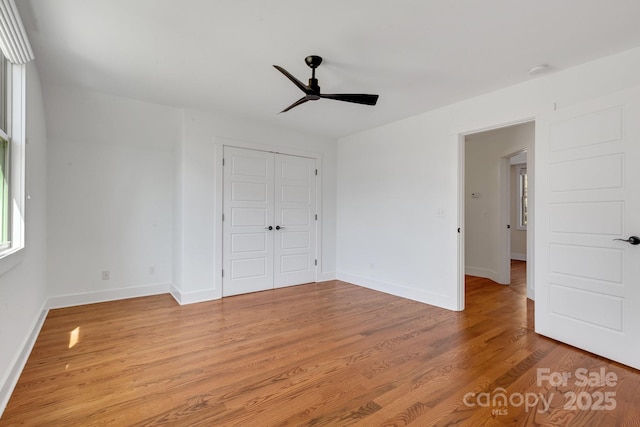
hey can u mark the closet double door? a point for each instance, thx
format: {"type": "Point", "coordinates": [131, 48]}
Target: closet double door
{"type": "Point", "coordinates": [269, 221]}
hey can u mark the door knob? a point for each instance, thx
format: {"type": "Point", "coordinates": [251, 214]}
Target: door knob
{"type": "Point", "coordinates": [268, 228]}
{"type": "Point", "coordinates": [279, 228]}
{"type": "Point", "coordinates": [634, 240]}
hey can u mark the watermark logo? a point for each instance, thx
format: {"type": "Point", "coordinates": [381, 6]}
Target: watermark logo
{"type": "Point", "coordinates": [500, 401]}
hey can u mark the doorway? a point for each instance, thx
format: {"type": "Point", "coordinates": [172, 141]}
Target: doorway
{"type": "Point", "coordinates": [269, 220]}
{"type": "Point", "coordinates": [490, 163]}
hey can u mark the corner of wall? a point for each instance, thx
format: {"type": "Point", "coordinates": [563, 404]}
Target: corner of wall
{"type": "Point", "coordinates": [185, 298]}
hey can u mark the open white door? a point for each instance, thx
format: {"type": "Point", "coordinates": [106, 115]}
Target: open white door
{"type": "Point", "coordinates": [587, 195]}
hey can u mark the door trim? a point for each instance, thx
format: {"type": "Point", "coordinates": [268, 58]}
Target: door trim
{"type": "Point", "coordinates": [506, 186]}
{"type": "Point", "coordinates": [219, 144]}
{"type": "Point", "coordinates": [461, 209]}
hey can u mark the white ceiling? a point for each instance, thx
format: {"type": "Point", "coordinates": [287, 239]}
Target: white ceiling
{"type": "Point", "coordinates": [217, 55]}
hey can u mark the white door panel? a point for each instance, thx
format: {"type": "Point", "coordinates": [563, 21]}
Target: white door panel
{"type": "Point", "coordinates": [587, 218]}
{"type": "Point", "coordinates": [295, 240]}
{"type": "Point", "coordinates": [248, 242]}
{"type": "Point", "coordinates": [587, 195]}
{"type": "Point", "coordinates": [263, 190]}
{"type": "Point", "coordinates": [597, 127]}
{"type": "Point", "coordinates": [249, 191]}
{"type": "Point", "coordinates": [295, 209]}
{"type": "Point", "coordinates": [249, 268]}
{"type": "Point", "coordinates": [248, 210]}
{"type": "Point", "coordinates": [578, 174]}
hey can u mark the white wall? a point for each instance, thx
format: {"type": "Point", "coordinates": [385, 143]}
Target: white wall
{"type": "Point", "coordinates": [398, 184]}
{"type": "Point", "coordinates": [199, 196]}
{"type": "Point", "coordinates": [110, 184]}
{"type": "Point", "coordinates": [134, 190]}
{"type": "Point", "coordinates": [485, 152]}
{"type": "Point", "coordinates": [23, 290]}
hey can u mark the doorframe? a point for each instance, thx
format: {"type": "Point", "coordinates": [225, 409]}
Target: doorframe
{"type": "Point", "coordinates": [219, 144]}
{"type": "Point", "coordinates": [461, 208]}
{"type": "Point", "coordinates": [506, 213]}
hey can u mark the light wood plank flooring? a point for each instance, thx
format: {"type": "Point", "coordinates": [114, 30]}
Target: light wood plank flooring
{"type": "Point", "coordinates": [312, 355]}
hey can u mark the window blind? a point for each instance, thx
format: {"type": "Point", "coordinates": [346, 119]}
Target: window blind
{"type": "Point", "coordinates": [13, 38]}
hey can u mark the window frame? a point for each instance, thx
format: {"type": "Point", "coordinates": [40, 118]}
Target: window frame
{"type": "Point", "coordinates": [5, 192]}
{"type": "Point", "coordinates": [11, 254]}
{"type": "Point", "coordinates": [521, 180]}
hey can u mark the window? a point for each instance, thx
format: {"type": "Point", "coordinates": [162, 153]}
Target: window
{"type": "Point", "coordinates": [5, 158]}
{"type": "Point", "coordinates": [5, 212]}
{"type": "Point", "coordinates": [12, 157]}
{"type": "Point", "coordinates": [521, 176]}
{"type": "Point", "coordinates": [16, 52]}
{"type": "Point", "coordinates": [4, 94]}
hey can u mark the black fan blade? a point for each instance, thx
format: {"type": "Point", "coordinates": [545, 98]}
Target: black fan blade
{"type": "Point", "coordinates": [358, 98]}
{"type": "Point", "coordinates": [295, 104]}
{"type": "Point", "coordinates": [295, 81]}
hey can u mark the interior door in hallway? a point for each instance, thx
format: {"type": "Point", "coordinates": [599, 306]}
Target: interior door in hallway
{"type": "Point", "coordinates": [587, 203]}
{"type": "Point", "coordinates": [269, 224]}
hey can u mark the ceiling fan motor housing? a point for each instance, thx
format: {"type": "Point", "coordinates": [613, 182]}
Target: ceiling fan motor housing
{"type": "Point", "coordinates": [315, 88]}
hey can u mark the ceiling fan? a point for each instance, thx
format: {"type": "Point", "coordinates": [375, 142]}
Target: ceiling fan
{"type": "Point", "coordinates": [312, 91]}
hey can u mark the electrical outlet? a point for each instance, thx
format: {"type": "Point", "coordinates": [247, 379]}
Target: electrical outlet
{"type": "Point", "coordinates": [106, 275]}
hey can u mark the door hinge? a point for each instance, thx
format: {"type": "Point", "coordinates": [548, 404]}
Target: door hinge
{"type": "Point", "coordinates": [316, 262]}
{"type": "Point", "coordinates": [222, 273]}
{"type": "Point", "coordinates": [222, 217]}
{"type": "Point", "coordinates": [316, 172]}
{"type": "Point", "coordinates": [223, 161]}
{"type": "Point", "coordinates": [316, 217]}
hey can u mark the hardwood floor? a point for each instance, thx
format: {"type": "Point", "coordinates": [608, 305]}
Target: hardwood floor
{"type": "Point", "coordinates": [318, 354]}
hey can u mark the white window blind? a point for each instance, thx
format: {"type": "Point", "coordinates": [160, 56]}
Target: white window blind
{"type": "Point", "coordinates": [13, 38]}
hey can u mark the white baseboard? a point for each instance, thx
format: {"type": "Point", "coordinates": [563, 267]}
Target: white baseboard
{"type": "Point", "coordinates": [414, 294]}
{"type": "Point", "coordinates": [194, 297]}
{"type": "Point", "coordinates": [184, 298]}
{"type": "Point", "coordinates": [21, 359]}
{"type": "Point", "coordinates": [518, 257]}
{"type": "Point", "coordinates": [107, 295]}
{"type": "Point", "coordinates": [327, 276]}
